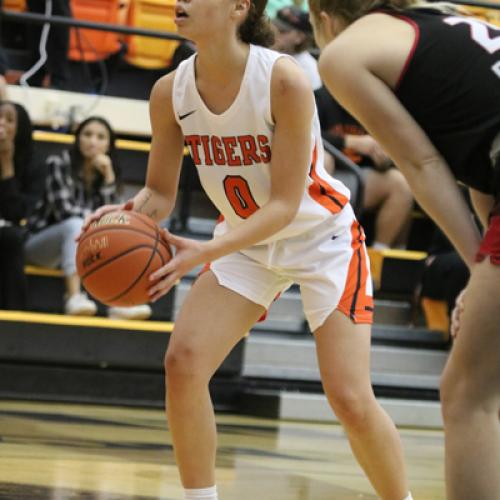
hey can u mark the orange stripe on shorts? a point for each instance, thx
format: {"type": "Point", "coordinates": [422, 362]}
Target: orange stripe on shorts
{"type": "Point", "coordinates": [355, 303]}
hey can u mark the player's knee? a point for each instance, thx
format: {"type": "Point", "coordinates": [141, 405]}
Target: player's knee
{"type": "Point", "coordinates": [183, 363]}
{"type": "Point", "coordinates": [399, 184]}
{"type": "Point", "coordinates": [350, 407]}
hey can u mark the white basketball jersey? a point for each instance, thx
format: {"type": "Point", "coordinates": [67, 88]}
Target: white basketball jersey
{"type": "Point", "coordinates": [232, 151]}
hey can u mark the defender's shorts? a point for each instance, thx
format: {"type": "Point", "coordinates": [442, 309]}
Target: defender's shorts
{"type": "Point", "coordinates": [490, 246]}
{"type": "Point", "coordinates": [329, 263]}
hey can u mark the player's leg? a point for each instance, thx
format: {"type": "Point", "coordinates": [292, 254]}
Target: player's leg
{"type": "Point", "coordinates": [343, 350]}
{"type": "Point", "coordinates": [212, 320]}
{"type": "Point", "coordinates": [389, 193]}
{"type": "Point", "coordinates": [470, 392]}
{"type": "Point", "coordinates": [337, 295]}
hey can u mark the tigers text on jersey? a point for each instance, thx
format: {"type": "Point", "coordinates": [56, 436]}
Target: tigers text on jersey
{"type": "Point", "coordinates": [232, 151]}
{"type": "Point", "coordinates": [451, 86]}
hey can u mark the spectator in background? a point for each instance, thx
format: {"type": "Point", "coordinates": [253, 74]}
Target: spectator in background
{"type": "Point", "coordinates": [57, 65]}
{"type": "Point", "coordinates": [293, 36]}
{"type": "Point", "coordinates": [21, 185]}
{"type": "Point", "coordinates": [3, 67]}
{"type": "Point", "coordinates": [273, 6]}
{"type": "Point", "coordinates": [386, 189]}
{"type": "Point", "coordinates": [77, 182]}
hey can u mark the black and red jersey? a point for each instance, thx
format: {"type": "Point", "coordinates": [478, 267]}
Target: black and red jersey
{"type": "Point", "coordinates": [451, 86]}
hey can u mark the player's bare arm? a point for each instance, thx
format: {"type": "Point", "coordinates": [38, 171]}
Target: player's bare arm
{"type": "Point", "coordinates": [157, 198]}
{"type": "Point", "coordinates": [292, 104]}
{"type": "Point", "coordinates": [355, 81]}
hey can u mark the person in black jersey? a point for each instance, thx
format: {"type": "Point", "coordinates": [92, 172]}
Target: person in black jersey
{"type": "Point", "coordinates": [425, 83]}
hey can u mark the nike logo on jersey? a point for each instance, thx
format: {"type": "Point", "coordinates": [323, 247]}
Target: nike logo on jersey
{"type": "Point", "coordinates": [181, 117]}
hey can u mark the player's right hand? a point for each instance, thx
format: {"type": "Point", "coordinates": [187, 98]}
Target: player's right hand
{"type": "Point", "coordinates": [105, 209]}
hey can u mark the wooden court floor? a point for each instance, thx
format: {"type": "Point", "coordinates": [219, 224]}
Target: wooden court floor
{"type": "Point", "coordinates": [67, 451]}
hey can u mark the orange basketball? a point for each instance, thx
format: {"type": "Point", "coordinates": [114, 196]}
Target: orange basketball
{"type": "Point", "coordinates": [116, 255]}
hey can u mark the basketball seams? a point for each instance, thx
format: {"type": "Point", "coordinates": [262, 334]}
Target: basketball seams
{"type": "Point", "coordinates": [115, 228]}
{"type": "Point", "coordinates": [117, 256]}
{"type": "Point", "coordinates": [140, 275]}
{"type": "Point", "coordinates": [148, 242]}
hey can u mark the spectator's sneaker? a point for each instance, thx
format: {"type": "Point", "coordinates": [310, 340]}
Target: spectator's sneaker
{"type": "Point", "coordinates": [134, 312]}
{"type": "Point", "coordinates": [80, 305]}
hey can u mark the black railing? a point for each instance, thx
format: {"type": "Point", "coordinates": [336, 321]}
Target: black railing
{"type": "Point", "coordinates": [31, 18]}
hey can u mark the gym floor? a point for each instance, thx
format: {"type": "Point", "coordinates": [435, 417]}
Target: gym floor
{"type": "Point", "coordinates": [68, 451]}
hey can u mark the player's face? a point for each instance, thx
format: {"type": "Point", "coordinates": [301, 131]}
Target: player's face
{"type": "Point", "coordinates": [8, 122]}
{"type": "Point", "coordinates": [201, 19]}
{"type": "Point", "coordinates": [94, 140]}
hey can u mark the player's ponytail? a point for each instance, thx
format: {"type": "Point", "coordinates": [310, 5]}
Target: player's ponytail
{"type": "Point", "coordinates": [256, 28]}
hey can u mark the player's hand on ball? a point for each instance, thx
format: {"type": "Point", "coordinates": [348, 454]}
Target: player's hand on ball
{"type": "Point", "coordinates": [457, 313]}
{"type": "Point", "coordinates": [105, 209]}
{"type": "Point", "coordinates": [188, 254]}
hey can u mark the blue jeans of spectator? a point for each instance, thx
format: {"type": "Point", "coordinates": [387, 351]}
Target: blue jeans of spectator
{"type": "Point", "coordinates": [55, 246]}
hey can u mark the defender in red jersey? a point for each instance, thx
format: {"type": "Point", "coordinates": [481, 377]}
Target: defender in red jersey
{"type": "Point", "coordinates": [425, 83]}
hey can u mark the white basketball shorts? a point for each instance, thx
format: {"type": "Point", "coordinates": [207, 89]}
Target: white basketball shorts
{"type": "Point", "coordinates": [329, 263]}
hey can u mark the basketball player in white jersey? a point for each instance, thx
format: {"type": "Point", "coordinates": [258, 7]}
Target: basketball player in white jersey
{"type": "Point", "coordinates": [248, 117]}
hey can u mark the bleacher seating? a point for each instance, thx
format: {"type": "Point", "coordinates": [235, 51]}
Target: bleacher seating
{"type": "Point", "coordinates": [436, 315]}
{"type": "Point", "coordinates": [94, 45]}
{"type": "Point", "coordinates": [489, 15]}
{"type": "Point", "coordinates": [147, 52]}
{"type": "Point", "coordinates": [15, 5]}
{"type": "Point", "coordinates": [46, 294]}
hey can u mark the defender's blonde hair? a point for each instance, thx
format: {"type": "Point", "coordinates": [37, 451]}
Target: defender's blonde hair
{"type": "Point", "coordinates": [351, 10]}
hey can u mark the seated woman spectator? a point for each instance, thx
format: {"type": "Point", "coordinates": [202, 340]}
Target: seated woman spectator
{"type": "Point", "coordinates": [21, 185]}
{"type": "Point", "coordinates": [386, 189]}
{"type": "Point", "coordinates": [78, 181]}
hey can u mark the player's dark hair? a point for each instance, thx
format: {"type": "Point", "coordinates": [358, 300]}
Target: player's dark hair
{"type": "Point", "coordinates": [256, 28]}
{"type": "Point", "coordinates": [23, 142]}
{"type": "Point", "coordinates": [77, 158]}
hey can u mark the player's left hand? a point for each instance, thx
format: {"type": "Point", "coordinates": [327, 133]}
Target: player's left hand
{"type": "Point", "coordinates": [188, 254]}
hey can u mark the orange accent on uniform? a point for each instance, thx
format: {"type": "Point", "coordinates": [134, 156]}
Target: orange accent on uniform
{"type": "Point", "coordinates": [354, 302]}
{"type": "Point", "coordinates": [322, 192]}
{"type": "Point", "coordinates": [239, 196]}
